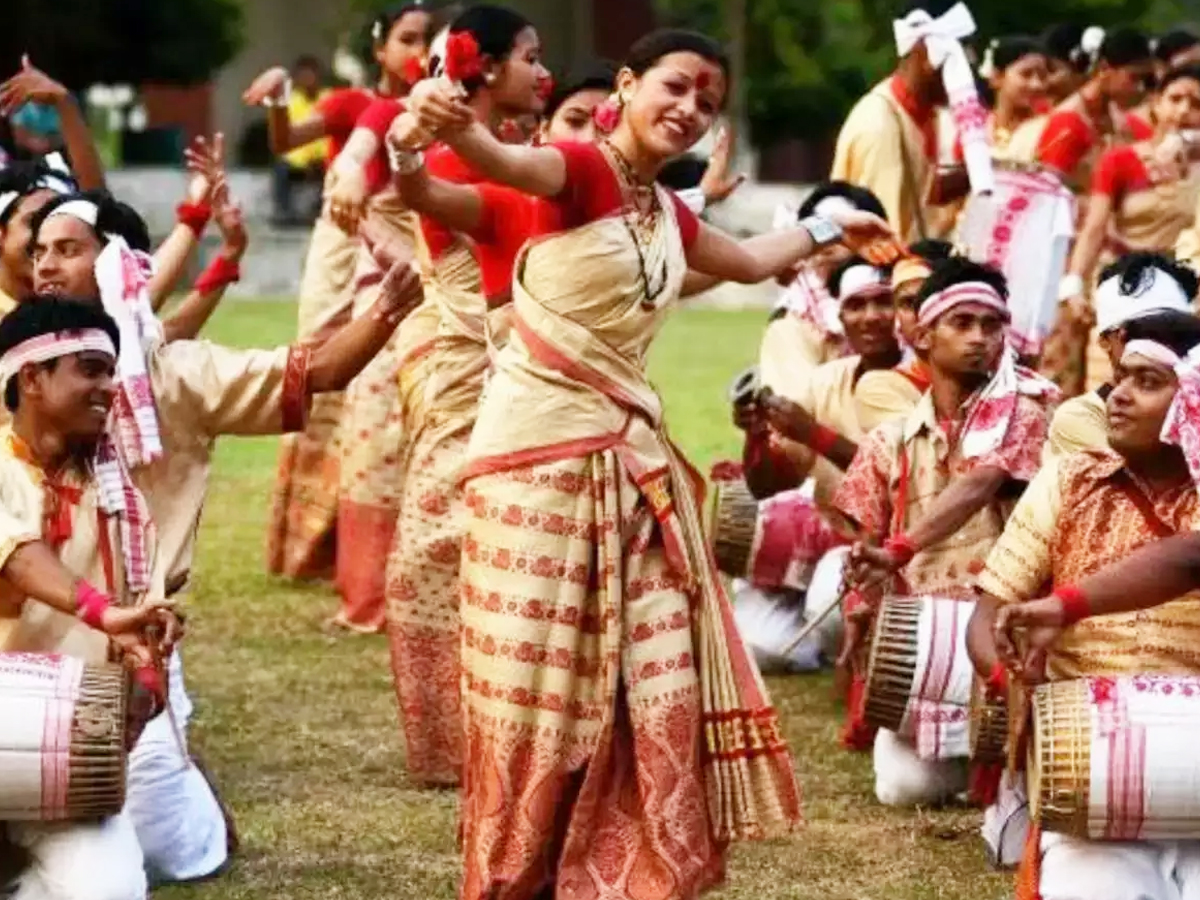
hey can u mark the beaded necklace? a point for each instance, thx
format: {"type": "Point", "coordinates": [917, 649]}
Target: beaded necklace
{"type": "Point", "coordinates": [643, 223]}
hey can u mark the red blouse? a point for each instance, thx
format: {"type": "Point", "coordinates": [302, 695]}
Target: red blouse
{"type": "Point", "coordinates": [340, 109]}
{"type": "Point", "coordinates": [377, 118]}
{"type": "Point", "coordinates": [442, 162]}
{"type": "Point", "coordinates": [1068, 138]}
{"type": "Point", "coordinates": [1120, 171]}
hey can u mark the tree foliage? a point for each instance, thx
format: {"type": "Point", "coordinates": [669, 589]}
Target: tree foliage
{"type": "Point", "coordinates": [83, 42]}
{"type": "Point", "coordinates": [807, 62]}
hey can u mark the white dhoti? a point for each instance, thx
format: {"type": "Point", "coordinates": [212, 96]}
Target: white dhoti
{"type": "Point", "coordinates": [1006, 822]}
{"type": "Point", "coordinates": [1076, 869]}
{"type": "Point", "coordinates": [902, 778]}
{"type": "Point", "coordinates": [71, 861]}
{"type": "Point", "coordinates": [178, 820]}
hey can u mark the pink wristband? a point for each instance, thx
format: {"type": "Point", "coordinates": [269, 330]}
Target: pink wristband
{"type": "Point", "coordinates": [1075, 604]}
{"type": "Point", "coordinates": [901, 547]}
{"type": "Point", "coordinates": [90, 605]}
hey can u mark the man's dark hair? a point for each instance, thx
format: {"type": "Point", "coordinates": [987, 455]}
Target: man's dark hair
{"type": "Point", "coordinates": [1173, 43]}
{"type": "Point", "coordinates": [1135, 268]}
{"type": "Point", "coordinates": [48, 315]}
{"type": "Point", "coordinates": [960, 270]}
{"type": "Point", "coordinates": [931, 249]}
{"type": "Point", "coordinates": [859, 197]}
{"type": "Point", "coordinates": [683, 173]}
{"type": "Point", "coordinates": [113, 217]}
{"type": "Point", "coordinates": [1178, 330]}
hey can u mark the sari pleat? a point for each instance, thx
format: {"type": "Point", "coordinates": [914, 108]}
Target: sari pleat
{"type": "Point", "coordinates": [372, 445]}
{"type": "Point", "coordinates": [618, 733]}
{"type": "Point", "coordinates": [301, 531]}
{"type": "Point", "coordinates": [422, 587]}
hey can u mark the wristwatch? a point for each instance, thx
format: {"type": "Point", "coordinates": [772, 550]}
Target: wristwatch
{"type": "Point", "coordinates": [823, 231]}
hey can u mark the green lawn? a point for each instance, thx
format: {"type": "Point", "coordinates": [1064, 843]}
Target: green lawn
{"type": "Point", "coordinates": [300, 727]}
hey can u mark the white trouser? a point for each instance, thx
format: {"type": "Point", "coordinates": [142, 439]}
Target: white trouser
{"type": "Point", "coordinates": [1006, 822]}
{"type": "Point", "coordinates": [178, 820]}
{"type": "Point", "coordinates": [73, 861]}
{"type": "Point", "coordinates": [904, 779]}
{"type": "Point", "coordinates": [1075, 869]}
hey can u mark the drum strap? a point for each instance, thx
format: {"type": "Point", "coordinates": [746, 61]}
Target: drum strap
{"type": "Point", "coordinates": [1138, 498]}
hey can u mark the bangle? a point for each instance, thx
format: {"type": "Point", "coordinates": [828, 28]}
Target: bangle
{"type": "Point", "coordinates": [403, 161]}
{"type": "Point", "coordinates": [90, 605]}
{"type": "Point", "coordinates": [997, 680]}
{"type": "Point", "coordinates": [822, 439]}
{"type": "Point", "coordinates": [902, 548]}
{"type": "Point", "coordinates": [194, 215]}
{"type": "Point", "coordinates": [1075, 605]}
{"type": "Point", "coordinates": [282, 99]}
{"type": "Point", "coordinates": [219, 274]}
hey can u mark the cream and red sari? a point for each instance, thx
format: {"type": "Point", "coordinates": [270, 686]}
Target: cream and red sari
{"type": "Point", "coordinates": [372, 436]}
{"type": "Point", "coordinates": [301, 533]}
{"type": "Point", "coordinates": [441, 395]}
{"type": "Point", "coordinates": [617, 733]}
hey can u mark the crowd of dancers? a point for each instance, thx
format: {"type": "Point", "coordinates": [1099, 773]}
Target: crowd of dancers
{"type": "Point", "coordinates": [971, 460]}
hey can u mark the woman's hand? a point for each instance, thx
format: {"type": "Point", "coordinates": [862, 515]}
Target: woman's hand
{"type": "Point", "coordinates": [867, 235]}
{"type": "Point", "coordinates": [438, 107]}
{"type": "Point", "coordinates": [270, 84]}
{"type": "Point", "coordinates": [406, 134]}
{"type": "Point", "coordinates": [30, 84]}
{"type": "Point", "coordinates": [348, 198]}
{"type": "Point", "coordinates": [717, 183]}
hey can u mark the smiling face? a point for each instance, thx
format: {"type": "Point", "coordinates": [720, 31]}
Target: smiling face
{"type": "Point", "coordinates": [406, 40]}
{"type": "Point", "coordinates": [869, 319]}
{"type": "Point", "coordinates": [1177, 105]}
{"type": "Point", "coordinates": [673, 104]}
{"type": "Point", "coordinates": [64, 258]}
{"type": "Point", "coordinates": [72, 394]}
{"type": "Point", "coordinates": [1142, 394]}
{"type": "Point", "coordinates": [15, 235]}
{"type": "Point", "coordinates": [518, 88]}
{"type": "Point", "coordinates": [1023, 83]}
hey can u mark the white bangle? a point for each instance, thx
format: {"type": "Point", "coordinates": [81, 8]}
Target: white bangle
{"type": "Point", "coordinates": [1070, 286]}
{"type": "Point", "coordinates": [282, 99]}
{"type": "Point", "coordinates": [405, 162]}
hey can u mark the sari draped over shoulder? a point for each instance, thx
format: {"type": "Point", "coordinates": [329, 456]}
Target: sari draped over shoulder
{"type": "Point", "coordinates": [301, 532]}
{"type": "Point", "coordinates": [372, 437]}
{"type": "Point", "coordinates": [618, 734]}
{"type": "Point", "coordinates": [439, 390]}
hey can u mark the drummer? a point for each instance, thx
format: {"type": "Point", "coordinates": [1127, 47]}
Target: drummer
{"type": "Point", "coordinates": [1119, 499]}
{"type": "Point", "coordinates": [1139, 296]}
{"type": "Point", "coordinates": [929, 487]}
{"type": "Point", "coordinates": [889, 141]}
{"type": "Point", "coordinates": [804, 330]}
{"type": "Point", "coordinates": [60, 481]}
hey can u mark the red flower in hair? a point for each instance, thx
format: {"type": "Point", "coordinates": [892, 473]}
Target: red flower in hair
{"type": "Point", "coordinates": [414, 70]}
{"type": "Point", "coordinates": [545, 87]}
{"type": "Point", "coordinates": [463, 61]}
{"type": "Point", "coordinates": [607, 116]}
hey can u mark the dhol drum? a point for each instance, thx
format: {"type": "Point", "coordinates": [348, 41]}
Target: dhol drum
{"type": "Point", "coordinates": [919, 677]}
{"type": "Point", "coordinates": [1115, 758]}
{"type": "Point", "coordinates": [63, 741]}
{"type": "Point", "coordinates": [988, 727]}
{"type": "Point", "coordinates": [1024, 227]}
{"type": "Point", "coordinates": [734, 517]}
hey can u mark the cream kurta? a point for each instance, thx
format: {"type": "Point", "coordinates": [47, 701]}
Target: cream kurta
{"type": "Point", "coordinates": [202, 391]}
{"type": "Point", "coordinates": [791, 348]}
{"type": "Point", "coordinates": [881, 148]}
{"type": "Point", "coordinates": [27, 625]}
{"type": "Point", "coordinates": [1081, 423]}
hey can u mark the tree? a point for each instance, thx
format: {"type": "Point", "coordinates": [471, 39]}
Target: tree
{"type": "Point", "coordinates": [84, 42]}
{"type": "Point", "coordinates": [807, 62]}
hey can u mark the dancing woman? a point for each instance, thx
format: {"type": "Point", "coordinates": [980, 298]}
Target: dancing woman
{"type": "Point", "coordinates": [1143, 196]}
{"type": "Point", "coordinates": [617, 735]}
{"type": "Point", "coordinates": [301, 534]}
{"type": "Point", "coordinates": [494, 54]}
{"type": "Point", "coordinates": [1016, 72]}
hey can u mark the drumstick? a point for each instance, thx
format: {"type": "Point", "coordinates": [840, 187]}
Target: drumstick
{"type": "Point", "coordinates": [154, 632]}
{"type": "Point", "coordinates": [810, 627]}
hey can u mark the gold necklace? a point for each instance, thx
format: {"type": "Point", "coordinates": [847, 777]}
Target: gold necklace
{"type": "Point", "coordinates": [645, 222]}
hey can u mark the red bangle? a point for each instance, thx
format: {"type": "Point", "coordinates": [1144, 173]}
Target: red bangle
{"type": "Point", "coordinates": [90, 605]}
{"type": "Point", "coordinates": [997, 681]}
{"type": "Point", "coordinates": [1075, 604]}
{"type": "Point", "coordinates": [902, 548]}
{"type": "Point", "coordinates": [822, 439]}
{"type": "Point", "coordinates": [220, 273]}
{"type": "Point", "coordinates": [194, 215]}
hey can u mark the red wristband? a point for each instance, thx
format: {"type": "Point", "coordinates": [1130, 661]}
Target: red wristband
{"type": "Point", "coordinates": [90, 605]}
{"type": "Point", "coordinates": [902, 548]}
{"type": "Point", "coordinates": [219, 274]}
{"type": "Point", "coordinates": [1075, 604]}
{"type": "Point", "coordinates": [194, 215]}
{"type": "Point", "coordinates": [822, 439]}
{"type": "Point", "coordinates": [997, 681]}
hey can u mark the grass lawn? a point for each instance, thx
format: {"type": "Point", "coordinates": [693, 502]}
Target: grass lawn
{"type": "Point", "coordinates": [300, 727]}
